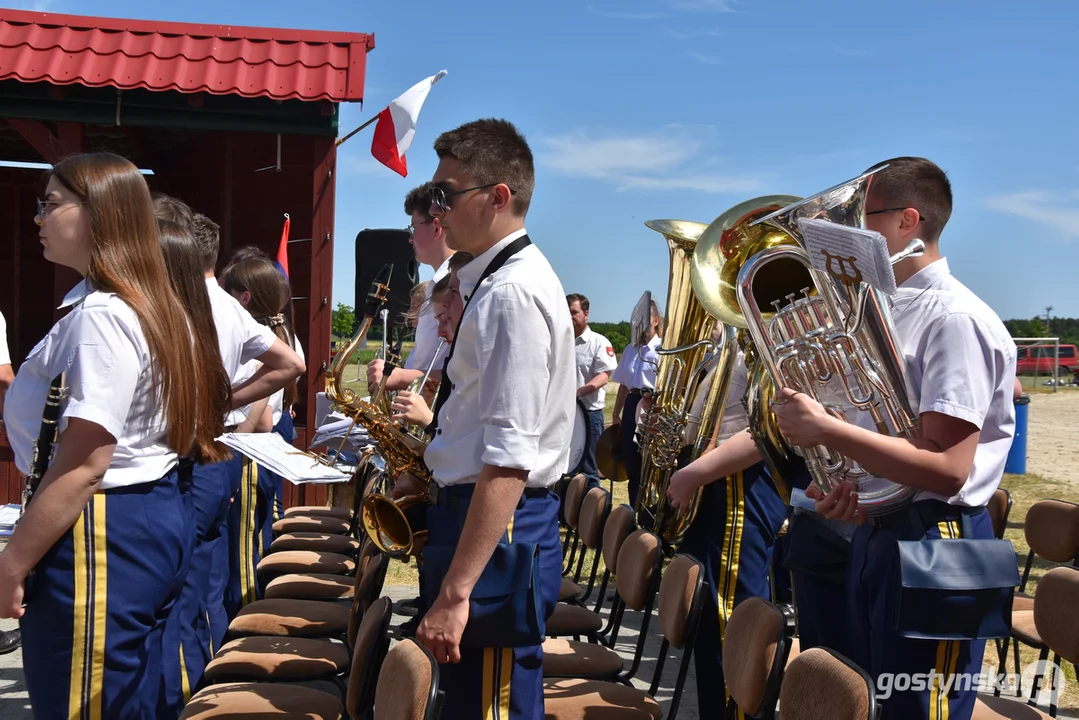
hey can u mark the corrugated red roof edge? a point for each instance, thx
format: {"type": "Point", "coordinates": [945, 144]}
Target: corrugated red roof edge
{"type": "Point", "coordinates": [305, 90]}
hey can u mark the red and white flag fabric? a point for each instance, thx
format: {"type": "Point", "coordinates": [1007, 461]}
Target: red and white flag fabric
{"type": "Point", "coordinates": [397, 125]}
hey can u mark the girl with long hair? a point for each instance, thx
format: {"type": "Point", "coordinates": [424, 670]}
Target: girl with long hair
{"type": "Point", "coordinates": [102, 550]}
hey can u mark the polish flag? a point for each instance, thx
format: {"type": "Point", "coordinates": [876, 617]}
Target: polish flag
{"type": "Point", "coordinates": [282, 249]}
{"type": "Point", "coordinates": [397, 125]}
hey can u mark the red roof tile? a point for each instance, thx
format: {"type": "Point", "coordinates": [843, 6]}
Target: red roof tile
{"type": "Point", "coordinates": [218, 59]}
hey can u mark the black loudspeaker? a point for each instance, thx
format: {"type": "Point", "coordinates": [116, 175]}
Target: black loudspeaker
{"type": "Point", "coordinates": [375, 248]}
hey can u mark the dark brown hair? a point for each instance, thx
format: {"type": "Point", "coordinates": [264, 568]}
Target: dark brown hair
{"type": "Point", "coordinates": [418, 200]}
{"type": "Point", "coordinates": [458, 260]}
{"type": "Point", "coordinates": [912, 182]}
{"type": "Point", "coordinates": [183, 264]}
{"type": "Point", "coordinates": [493, 151]}
{"type": "Point", "coordinates": [578, 298]}
{"type": "Point", "coordinates": [125, 259]}
{"type": "Point", "coordinates": [204, 232]}
{"type": "Point", "coordinates": [270, 300]}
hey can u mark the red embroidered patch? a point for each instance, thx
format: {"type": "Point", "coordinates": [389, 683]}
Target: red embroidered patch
{"type": "Point", "coordinates": [610, 351]}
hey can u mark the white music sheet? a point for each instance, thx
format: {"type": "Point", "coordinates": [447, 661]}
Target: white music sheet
{"type": "Point", "coordinates": [278, 456]}
{"type": "Point", "coordinates": [848, 252]}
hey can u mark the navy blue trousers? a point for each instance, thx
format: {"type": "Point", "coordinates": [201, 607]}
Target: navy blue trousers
{"type": "Point", "coordinates": [98, 602]}
{"type": "Point", "coordinates": [505, 683]}
{"type": "Point", "coordinates": [631, 453]}
{"type": "Point", "coordinates": [733, 535]}
{"type": "Point", "coordinates": [245, 537]}
{"type": "Point", "coordinates": [883, 651]}
{"type": "Point", "coordinates": [588, 461]}
{"type": "Point", "coordinates": [198, 622]}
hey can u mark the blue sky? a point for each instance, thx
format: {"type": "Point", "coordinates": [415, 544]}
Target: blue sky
{"type": "Point", "coordinates": [647, 109]}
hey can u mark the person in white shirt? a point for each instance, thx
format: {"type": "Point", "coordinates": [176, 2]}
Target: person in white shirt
{"type": "Point", "coordinates": [636, 378]}
{"type": "Point", "coordinates": [109, 531]}
{"type": "Point", "coordinates": [502, 429]}
{"type": "Point", "coordinates": [6, 373]}
{"type": "Point", "coordinates": [258, 364]}
{"type": "Point", "coordinates": [429, 242]}
{"type": "Point", "coordinates": [960, 370]}
{"type": "Point", "coordinates": [595, 361]}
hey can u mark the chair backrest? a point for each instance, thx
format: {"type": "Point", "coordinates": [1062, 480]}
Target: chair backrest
{"type": "Point", "coordinates": [1054, 611]}
{"type": "Point", "coordinates": [754, 652]}
{"type": "Point", "coordinates": [368, 653]}
{"type": "Point", "coordinates": [637, 563]}
{"type": "Point", "coordinates": [593, 515]}
{"type": "Point", "coordinates": [679, 593]}
{"type": "Point", "coordinates": [620, 523]}
{"type": "Point", "coordinates": [1052, 529]}
{"type": "Point", "coordinates": [822, 684]}
{"type": "Point", "coordinates": [407, 686]}
{"type": "Point", "coordinates": [1000, 507]}
{"type": "Point", "coordinates": [574, 495]}
{"type": "Point", "coordinates": [368, 588]}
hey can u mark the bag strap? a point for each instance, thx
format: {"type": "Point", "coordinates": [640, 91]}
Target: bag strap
{"type": "Point", "coordinates": [445, 386]}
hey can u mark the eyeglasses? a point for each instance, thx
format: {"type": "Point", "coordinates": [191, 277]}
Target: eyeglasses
{"type": "Point", "coordinates": [47, 206]}
{"type": "Point", "coordinates": [441, 199]}
{"type": "Point", "coordinates": [412, 228]}
{"type": "Point", "coordinates": [899, 209]}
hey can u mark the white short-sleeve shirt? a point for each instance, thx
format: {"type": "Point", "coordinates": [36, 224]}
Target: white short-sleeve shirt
{"type": "Point", "coordinates": [513, 372]}
{"type": "Point", "coordinates": [427, 331]}
{"type": "Point", "coordinates": [595, 355]}
{"type": "Point", "coordinates": [5, 353]}
{"type": "Point", "coordinates": [101, 347]}
{"type": "Point", "coordinates": [637, 367]}
{"type": "Point", "coordinates": [277, 400]}
{"type": "Point", "coordinates": [959, 361]}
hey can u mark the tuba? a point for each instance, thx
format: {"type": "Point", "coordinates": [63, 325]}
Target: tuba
{"type": "Point", "coordinates": [830, 340]}
{"type": "Point", "coordinates": [672, 434]}
{"type": "Point", "coordinates": [391, 524]}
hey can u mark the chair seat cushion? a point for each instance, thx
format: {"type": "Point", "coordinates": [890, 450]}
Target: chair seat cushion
{"type": "Point", "coordinates": [298, 561]}
{"type": "Point", "coordinates": [595, 700]}
{"type": "Point", "coordinates": [319, 510]}
{"type": "Point", "coordinates": [1023, 628]}
{"type": "Point", "coordinates": [311, 586]}
{"type": "Point", "coordinates": [1022, 603]}
{"type": "Point", "coordinates": [322, 542]}
{"type": "Point", "coordinates": [292, 618]}
{"type": "Point", "coordinates": [569, 590]}
{"type": "Point", "coordinates": [251, 700]}
{"type": "Point", "coordinates": [277, 658]}
{"type": "Point", "coordinates": [572, 620]}
{"type": "Point", "coordinates": [573, 659]}
{"type": "Point", "coordinates": [987, 707]}
{"type": "Point", "coordinates": [300, 523]}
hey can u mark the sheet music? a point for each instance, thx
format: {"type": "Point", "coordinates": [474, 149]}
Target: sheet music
{"type": "Point", "coordinates": [278, 456]}
{"type": "Point", "coordinates": [334, 429]}
{"type": "Point", "coordinates": [849, 253]}
{"type": "Point", "coordinates": [9, 516]}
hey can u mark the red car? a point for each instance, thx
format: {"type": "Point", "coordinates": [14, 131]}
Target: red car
{"type": "Point", "coordinates": [1039, 360]}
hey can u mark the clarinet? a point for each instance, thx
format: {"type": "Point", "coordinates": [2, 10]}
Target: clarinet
{"type": "Point", "coordinates": [46, 439]}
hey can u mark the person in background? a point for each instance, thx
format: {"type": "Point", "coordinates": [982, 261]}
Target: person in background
{"type": "Point", "coordinates": [595, 361]}
{"type": "Point", "coordinates": [9, 639]}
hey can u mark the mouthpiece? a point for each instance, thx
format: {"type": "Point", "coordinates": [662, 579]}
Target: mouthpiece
{"type": "Point", "coordinates": [915, 248]}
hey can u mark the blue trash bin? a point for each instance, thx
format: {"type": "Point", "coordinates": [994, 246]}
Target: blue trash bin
{"type": "Point", "coordinates": [1017, 455]}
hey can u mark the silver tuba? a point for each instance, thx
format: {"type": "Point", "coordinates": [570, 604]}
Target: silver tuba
{"type": "Point", "coordinates": [834, 342]}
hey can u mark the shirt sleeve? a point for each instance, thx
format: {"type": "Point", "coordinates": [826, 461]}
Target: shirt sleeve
{"type": "Point", "coordinates": [5, 353]}
{"type": "Point", "coordinates": [959, 368]}
{"type": "Point", "coordinates": [258, 338]}
{"type": "Point", "coordinates": [622, 374]}
{"type": "Point", "coordinates": [514, 350]}
{"type": "Point", "coordinates": [603, 360]}
{"type": "Point", "coordinates": [103, 366]}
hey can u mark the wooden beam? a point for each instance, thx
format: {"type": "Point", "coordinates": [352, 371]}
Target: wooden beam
{"type": "Point", "coordinates": [40, 137]}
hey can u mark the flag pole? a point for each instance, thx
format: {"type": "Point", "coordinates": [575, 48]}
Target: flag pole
{"type": "Point", "coordinates": [361, 127]}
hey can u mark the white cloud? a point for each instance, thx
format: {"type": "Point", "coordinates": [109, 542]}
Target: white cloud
{"type": "Point", "coordinates": [690, 34]}
{"type": "Point", "coordinates": [1058, 211]}
{"type": "Point", "coordinates": [848, 51]}
{"type": "Point", "coordinates": [702, 58]}
{"type": "Point", "coordinates": [659, 160]}
{"type": "Point", "coordinates": [702, 6]}
{"type": "Point", "coordinates": [615, 15]}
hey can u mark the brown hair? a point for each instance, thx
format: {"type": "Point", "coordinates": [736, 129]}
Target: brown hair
{"type": "Point", "coordinates": [418, 200]}
{"type": "Point", "coordinates": [458, 260]}
{"type": "Point", "coordinates": [578, 298]}
{"type": "Point", "coordinates": [270, 298]}
{"type": "Point", "coordinates": [204, 232]}
{"type": "Point", "coordinates": [125, 259]}
{"type": "Point", "coordinates": [493, 151]}
{"type": "Point", "coordinates": [913, 182]}
{"type": "Point", "coordinates": [183, 264]}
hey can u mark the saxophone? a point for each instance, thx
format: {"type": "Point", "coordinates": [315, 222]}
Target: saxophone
{"type": "Point", "coordinates": [46, 439]}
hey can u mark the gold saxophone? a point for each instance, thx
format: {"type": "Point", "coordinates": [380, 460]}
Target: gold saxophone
{"type": "Point", "coordinates": [391, 525]}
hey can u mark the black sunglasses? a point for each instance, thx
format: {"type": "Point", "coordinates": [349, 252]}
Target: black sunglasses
{"type": "Point", "coordinates": [878, 212]}
{"type": "Point", "coordinates": [441, 199]}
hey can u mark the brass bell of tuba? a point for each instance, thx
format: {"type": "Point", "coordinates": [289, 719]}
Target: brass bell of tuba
{"type": "Point", "coordinates": [829, 340]}
{"type": "Point", "coordinates": [391, 524]}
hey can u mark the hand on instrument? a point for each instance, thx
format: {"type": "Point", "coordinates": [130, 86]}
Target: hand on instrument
{"type": "Point", "coordinates": [839, 504]}
{"type": "Point", "coordinates": [12, 589]}
{"type": "Point", "coordinates": [442, 628]}
{"type": "Point", "coordinates": [680, 489]}
{"type": "Point", "coordinates": [374, 373]}
{"type": "Point", "coordinates": [802, 420]}
{"type": "Point", "coordinates": [409, 406]}
{"type": "Point", "coordinates": [406, 484]}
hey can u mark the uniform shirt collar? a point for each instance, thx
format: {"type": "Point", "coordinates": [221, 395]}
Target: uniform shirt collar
{"type": "Point", "coordinates": [469, 275]}
{"type": "Point", "coordinates": [927, 276]}
{"type": "Point", "coordinates": [77, 294]}
{"type": "Point", "coordinates": [585, 336]}
{"type": "Point", "coordinates": [655, 342]}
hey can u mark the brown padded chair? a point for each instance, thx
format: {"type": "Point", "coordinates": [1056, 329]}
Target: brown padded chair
{"type": "Point", "coordinates": [325, 542]}
{"type": "Point", "coordinates": [755, 648]}
{"type": "Point", "coordinates": [319, 510]}
{"type": "Point", "coordinates": [571, 511]}
{"type": "Point", "coordinates": [320, 524]}
{"type": "Point", "coordinates": [820, 683]}
{"type": "Point", "coordinates": [294, 561]}
{"type": "Point", "coordinates": [679, 614]}
{"type": "Point", "coordinates": [321, 586]}
{"type": "Point", "coordinates": [595, 508]}
{"type": "Point", "coordinates": [407, 686]}
{"type": "Point", "coordinates": [999, 508]}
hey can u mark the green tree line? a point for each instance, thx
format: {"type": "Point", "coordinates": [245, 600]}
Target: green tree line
{"type": "Point", "coordinates": [1067, 329]}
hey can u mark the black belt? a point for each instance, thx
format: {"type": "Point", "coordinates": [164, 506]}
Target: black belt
{"type": "Point", "coordinates": [437, 493]}
{"type": "Point", "coordinates": [923, 514]}
{"type": "Point", "coordinates": [640, 392]}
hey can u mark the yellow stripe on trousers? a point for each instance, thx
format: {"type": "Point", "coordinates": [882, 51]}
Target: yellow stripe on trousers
{"type": "Point", "coordinates": [90, 612]}
{"type": "Point", "coordinates": [731, 550]}
{"type": "Point", "coordinates": [947, 650]}
{"type": "Point", "coordinates": [248, 495]}
{"type": "Point", "coordinates": [497, 672]}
